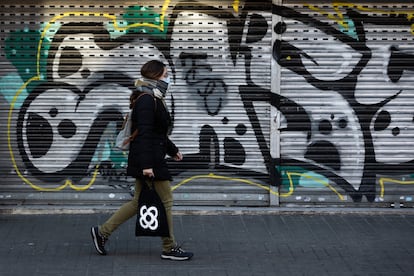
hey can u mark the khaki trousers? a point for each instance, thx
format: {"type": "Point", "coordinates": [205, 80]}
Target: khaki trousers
{"type": "Point", "coordinates": [130, 208]}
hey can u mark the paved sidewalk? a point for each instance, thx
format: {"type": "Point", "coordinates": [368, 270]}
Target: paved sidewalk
{"type": "Point", "coordinates": [260, 244]}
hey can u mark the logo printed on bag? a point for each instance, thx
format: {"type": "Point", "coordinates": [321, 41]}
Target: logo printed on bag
{"type": "Point", "coordinates": [149, 217]}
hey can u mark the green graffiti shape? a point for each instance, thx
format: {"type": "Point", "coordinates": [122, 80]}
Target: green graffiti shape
{"type": "Point", "coordinates": [21, 49]}
{"type": "Point", "coordinates": [142, 15]}
{"type": "Point", "coordinates": [348, 27]}
{"type": "Point", "coordinates": [301, 177]}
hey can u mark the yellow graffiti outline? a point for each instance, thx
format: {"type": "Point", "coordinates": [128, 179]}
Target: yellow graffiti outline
{"type": "Point", "coordinates": [339, 17]}
{"type": "Point", "coordinates": [289, 174]}
{"type": "Point", "coordinates": [291, 189]}
{"type": "Point", "coordinates": [215, 176]}
{"type": "Point", "coordinates": [382, 181]}
{"type": "Point", "coordinates": [111, 17]}
{"type": "Point", "coordinates": [38, 77]}
{"type": "Point", "coordinates": [27, 181]}
{"type": "Point", "coordinates": [236, 5]}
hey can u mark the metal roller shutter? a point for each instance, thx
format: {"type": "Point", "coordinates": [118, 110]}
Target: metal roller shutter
{"type": "Point", "coordinates": [346, 102]}
{"type": "Point", "coordinates": [317, 95]}
{"type": "Point", "coordinates": [66, 70]}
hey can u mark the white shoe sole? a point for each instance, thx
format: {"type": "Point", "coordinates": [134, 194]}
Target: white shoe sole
{"type": "Point", "coordinates": [174, 258]}
{"type": "Point", "coordinates": [95, 242]}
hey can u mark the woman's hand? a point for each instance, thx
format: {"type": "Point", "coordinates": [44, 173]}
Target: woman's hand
{"type": "Point", "coordinates": [148, 172]}
{"type": "Point", "coordinates": [178, 156]}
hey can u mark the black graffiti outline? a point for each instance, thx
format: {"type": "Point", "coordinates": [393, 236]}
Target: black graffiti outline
{"type": "Point", "coordinates": [365, 113]}
{"type": "Point", "coordinates": [204, 86]}
{"type": "Point", "coordinates": [249, 93]}
{"type": "Point", "coordinates": [79, 166]}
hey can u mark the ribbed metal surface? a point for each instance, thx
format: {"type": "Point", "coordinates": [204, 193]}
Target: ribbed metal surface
{"type": "Point", "coordinates": [319, 94]}
{"type": "Point", "coordinates": [66, 70]}
{"type": "Point", "coordinates": [347, 88]}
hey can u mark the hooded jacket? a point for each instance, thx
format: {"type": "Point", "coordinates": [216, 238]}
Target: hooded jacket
{"type": "Point", "coordinates": [153, 121]}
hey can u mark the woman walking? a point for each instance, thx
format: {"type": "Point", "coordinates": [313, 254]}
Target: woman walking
{"type": "Point", "coordinates": [146, 158]}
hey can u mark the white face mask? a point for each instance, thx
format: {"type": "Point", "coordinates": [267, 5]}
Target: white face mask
{"type": "Point", "coordinates": [167, 80]}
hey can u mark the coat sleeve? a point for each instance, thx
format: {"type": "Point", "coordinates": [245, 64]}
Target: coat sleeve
{"type": "Point", "coordinates": [172, 149]}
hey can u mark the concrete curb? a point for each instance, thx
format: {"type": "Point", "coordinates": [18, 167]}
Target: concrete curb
{"type": "Point", "coordinates": [206, 210]}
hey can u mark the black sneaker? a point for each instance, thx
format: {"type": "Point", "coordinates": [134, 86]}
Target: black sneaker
{"type": "Point", "coordinates": [98, 241]}
{"type": "Point", "coordinates": [176, 254]}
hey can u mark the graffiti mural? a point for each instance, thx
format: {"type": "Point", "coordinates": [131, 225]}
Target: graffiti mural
{"type": "Point", "coordinates": [361, 81]}
{"type": "Point", "coordinates": [344, 79]}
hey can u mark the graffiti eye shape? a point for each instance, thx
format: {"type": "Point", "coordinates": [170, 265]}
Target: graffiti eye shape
{"type": "Point", "coordinates": [342, 123]}
{"type": "Point", "coordinates": [241, 129]}
{"type": "Point", "coordinates": [395, 131]}
{"type": "Point", "coordinates": [257, 28]}
{"type": "Point", "coordinates": [382, 121]}
{"type": "Point", "coordinates": [314, 53]}
{"type": "Point", "coordinates": [285, 54]}
{"type": "Point", "coordinates": [398, 63]}
{"type": "Point", "coordinates": [67, 128]}
{"type": "Point", "coordinates": [39, 135]}
{"type": "Point", "coordinates": [234, 152]}
{"type": "Point", "coordinates": [290, 57]}
{"type": "Point", "coordinates": [53, 112]}
{"type": "Point", "coordinates": [280, 28]}
{"type": "Point", "coordinates": [325, 127]}
{"type": "Point", "coordinates": [70, 61]}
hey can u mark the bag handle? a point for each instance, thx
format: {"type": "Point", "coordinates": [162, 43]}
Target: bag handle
{"type": "Point", "coordinates": [148, 182]}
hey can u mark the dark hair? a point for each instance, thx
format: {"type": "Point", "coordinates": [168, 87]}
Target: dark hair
{"type": "Point", "coordinates": [153, 69]}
